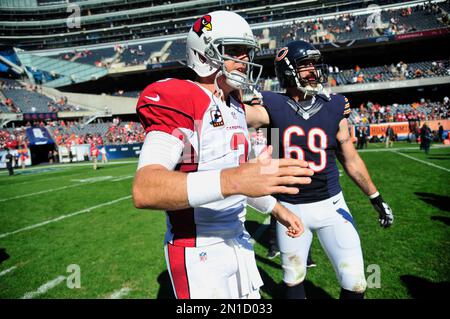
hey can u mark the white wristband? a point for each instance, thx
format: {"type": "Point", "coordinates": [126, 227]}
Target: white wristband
{"type": "Point", "coordinates": [374, 195]}
{"type": "Point", "coordinates": [264, 204]}
{"type": "Point", "coordinates": [204, 188]}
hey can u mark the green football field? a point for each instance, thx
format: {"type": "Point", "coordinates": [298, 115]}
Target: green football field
{"type": "Point", "coordinates": [62, 223]}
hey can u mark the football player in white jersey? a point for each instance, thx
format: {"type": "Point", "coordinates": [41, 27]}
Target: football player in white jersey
{"type": "Point", "coordinates": [193, 164]}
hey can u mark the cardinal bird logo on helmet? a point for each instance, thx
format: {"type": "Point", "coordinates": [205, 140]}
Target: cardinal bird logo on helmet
{"type": "Point", "coordinates": [202, 23]}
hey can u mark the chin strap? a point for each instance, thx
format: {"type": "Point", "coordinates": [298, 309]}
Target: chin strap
{"type": "Point", "coordinates": [309, 90]}
{"type": "Point", "coordinates": [216, 86]}
{"type": "Point", "coordinates": [256, 92]}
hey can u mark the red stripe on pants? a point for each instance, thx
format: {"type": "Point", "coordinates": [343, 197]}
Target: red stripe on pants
{"type": "Point", "coordinates": [177, 262]}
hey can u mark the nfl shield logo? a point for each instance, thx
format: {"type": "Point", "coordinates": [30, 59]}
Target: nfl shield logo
{"type": "Point", "coordinates": [203, 256]}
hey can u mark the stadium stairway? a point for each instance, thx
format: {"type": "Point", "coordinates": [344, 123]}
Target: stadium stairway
{"type": "Point", "coordinates": [94, 104]}
{"type": "Point", "coordinates": [69, 72]}
{"type": "Point", "coordinates": [162, 55]}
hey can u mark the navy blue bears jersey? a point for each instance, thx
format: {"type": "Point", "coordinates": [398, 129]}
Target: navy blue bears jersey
{"type": "Point", "coordinates": [307, 130]}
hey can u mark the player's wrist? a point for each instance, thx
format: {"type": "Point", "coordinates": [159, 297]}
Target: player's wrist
{"type": "Point", "coordinates": [277, 210]}
{"type": "Point", "coordinates": [229, 182]}
{"type": "Point", "coordinates": [376, 199]}
{"type": "Point", "coordinates": [204, 187]}
{"type": "Point", "coordinates": [374, 195]}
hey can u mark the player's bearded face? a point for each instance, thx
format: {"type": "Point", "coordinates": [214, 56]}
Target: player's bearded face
{"type": "Point", "coordinates": [308, 74]}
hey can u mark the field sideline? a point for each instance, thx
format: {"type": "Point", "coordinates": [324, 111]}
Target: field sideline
{"type": "Point", "coordinates": [64, 217]}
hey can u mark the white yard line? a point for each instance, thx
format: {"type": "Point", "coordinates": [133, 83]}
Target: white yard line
{"type": "Point", "coordinates": [42, 180]}
{"type": "Point", "coordinates": [99, 164]}
{"type": "Point", "coordinates": [399, 149]}
{"type": "Point", "coordinates": [119, 294]}
{"type": "Point", "coordinates": [92, 179]}
{"type": "Point", "coordinates": [44, 288]}
{"type": "Point", "coordinates": [422, 161]}
{"type": "Point", "coordinates": [64, 216]}
{"type": "Point", "coordinates": [51, 178]}
{"type": "Point", "coordinates": [122, 178]}
{"type": "Point", "coordinates": [61, 167]}
{"type": "Point", "coordinates": [98, 179]}
{"type": "Point", "coordinates": [4, 272]}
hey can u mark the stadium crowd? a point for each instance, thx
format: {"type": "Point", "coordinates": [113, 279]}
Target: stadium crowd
{"type": "Point", "coordinates": [374, 113]}
{"type": "Point", "coordinates": [67, 133]}
{"type": "Point", "coordinates": [13, 138]}
{"type": "Point", "coordinates": [349, 26]}
{"type": "Point", "coordinates": [394, 72]}
{"type": "Point", "coordinates": [115, 132]}
{"type": "Point", "coordinates": [340, 28]}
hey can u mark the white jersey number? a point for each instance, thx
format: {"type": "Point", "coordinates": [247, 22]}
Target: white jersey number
{"type": "Point", "coordinates": [291, 149]}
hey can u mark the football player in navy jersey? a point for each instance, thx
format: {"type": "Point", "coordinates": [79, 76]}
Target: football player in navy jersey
{"type": "Point", "coordinates": [313, 126]}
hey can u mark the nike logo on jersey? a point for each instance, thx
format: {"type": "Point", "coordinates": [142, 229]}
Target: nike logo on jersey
{"type": "Point", "coordinates": [334, 202]}
{"type": "Point", "coordinates": [156, 98]}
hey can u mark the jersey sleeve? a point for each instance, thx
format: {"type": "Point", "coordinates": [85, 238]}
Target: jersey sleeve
{"type": "Point", "coordinates": [169, 106]}
{"type": "Point", "coordinates": [271, 103]}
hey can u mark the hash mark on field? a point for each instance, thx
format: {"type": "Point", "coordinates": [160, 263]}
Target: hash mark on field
{"type": "Point", "coordinates": [44, 288]}
{"type": "Point", "coordinates": [120, 293]}
{"type": "Point", "coordinates": [421, 161]}
{"type": "Point", "coordinates": [65, 216]}
{"type": "Point", "coordinates": [4, 272]}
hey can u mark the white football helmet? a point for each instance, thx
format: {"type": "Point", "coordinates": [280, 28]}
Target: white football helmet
{"type": "Point", "coordinates": [206, 42]}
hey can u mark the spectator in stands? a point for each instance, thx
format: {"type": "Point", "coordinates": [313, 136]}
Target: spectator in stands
{"type": "Point", "coordinates": [16, 159]}
{"type": "Point", "coordinates": [50, 156]}
{"type": "Point", "coordinates": [441, 132]}
{"type": "Point", "coordinates": [104, 155]}
{"type": "Point", "coordinates": [390, 137]}
{"type": "Point", "coordinates": [361, 135]}
{"type": "Point", "coordinates": [9, 158]}
{"type": "Point", "coordinates": [94, 155]}
{"type": "Point", "coordinates": [425, 138]}
{"type": "Point", "coordinates": [23, 151]}
{"type": "Point", "coordinates": [55, 155]}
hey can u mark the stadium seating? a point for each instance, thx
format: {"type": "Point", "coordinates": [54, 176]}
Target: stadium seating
{"type": "Point", "coordinates": [423, 111]}
{"type": "Point", "coordinates": [34, 102]}
{"type": "Point", "coordinates": [341, 27]}
{"type": "Point", "coordinates": [3, 108]}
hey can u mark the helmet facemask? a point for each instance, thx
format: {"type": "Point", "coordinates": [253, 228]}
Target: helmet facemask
{"type": "Point", "coordinates": [313, 77]}
{"type": "Point", "coordinates": [310, 76]}
{"type": "Point", "coordinates": [222, 49]}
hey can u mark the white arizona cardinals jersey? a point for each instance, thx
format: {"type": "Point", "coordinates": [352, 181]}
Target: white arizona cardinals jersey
{"type": "Point", "coordinates": [215, 136]}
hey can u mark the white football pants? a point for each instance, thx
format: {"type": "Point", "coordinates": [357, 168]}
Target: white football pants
{"type": "Point", "coordinates": [333, 223]}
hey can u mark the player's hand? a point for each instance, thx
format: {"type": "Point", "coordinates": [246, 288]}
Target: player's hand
{"type": "Point", "coordinates": [288, 219]}
{"type": "Point", "coordinates": [386, 217]}
{"type": "Point", "coordinates": [266, 176]}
